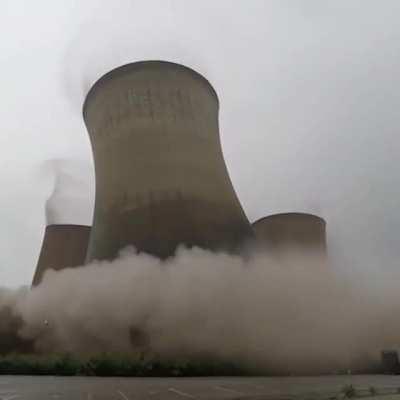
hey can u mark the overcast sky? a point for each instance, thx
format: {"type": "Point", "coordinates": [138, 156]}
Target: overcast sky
{"type": "Point", "coordinates": [309, 95]}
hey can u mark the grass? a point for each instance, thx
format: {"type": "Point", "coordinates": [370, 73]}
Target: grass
{"type": "Point", "coordinates": [348, 391]}
{"type": "Point", "coordinates": [372, 391]}
{"type": "Point", "coordinates": [111, 365]}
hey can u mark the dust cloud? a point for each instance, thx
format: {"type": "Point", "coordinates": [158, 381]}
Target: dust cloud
{"type": "Point", "coordinates": [296, 318]}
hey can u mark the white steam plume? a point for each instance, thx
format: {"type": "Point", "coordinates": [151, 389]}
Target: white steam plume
{"type": "Point", "coordinates": [71, 201]}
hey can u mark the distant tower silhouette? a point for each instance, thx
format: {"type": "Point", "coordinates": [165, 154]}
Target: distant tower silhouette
{"type": "Point", "coordinates": [280, 233]}
{"type": "Point", "coordinates": [161, 179]}
{"type": "Point", "coordinates": [66, 235]}
{"type": "Point", "coordinates": [63, 246]}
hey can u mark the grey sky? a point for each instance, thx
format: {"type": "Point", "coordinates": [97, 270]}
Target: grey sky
{"type": "Point", "coordinates": [309, 107]}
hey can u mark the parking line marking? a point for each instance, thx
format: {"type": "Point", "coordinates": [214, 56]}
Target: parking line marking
{"type": "Point", "coordinates": [228, 390]}
{"type": "Point", "coordinates": [123, 395]}
{"type": "Point", "coordinates": [181, 393]}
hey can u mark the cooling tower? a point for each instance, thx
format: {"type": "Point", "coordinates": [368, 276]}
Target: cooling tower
{"type": "Point", "coordinates": [63, 246]}
{"type": "Point", "coordinates": [68, 212]}
{"type": "Point", "coordinates": [390, 362]}
{"type": "Point", "coordinates": [295, 231]}
{"type": "Point", "coordinates": [161, 179]}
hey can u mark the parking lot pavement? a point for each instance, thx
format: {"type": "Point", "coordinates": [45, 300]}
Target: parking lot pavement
{"type": "Point", "coordinates": [224, 388]}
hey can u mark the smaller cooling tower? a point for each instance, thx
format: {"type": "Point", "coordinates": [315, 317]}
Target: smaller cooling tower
{"type": "Point", "coordinates": [63, 246]}
{"type": "Point", "coordinates": [295, 231]}
{"type": "Point", "coordinates": [68, 212]}
{"type": "Point", "coordinates": [390, 362]}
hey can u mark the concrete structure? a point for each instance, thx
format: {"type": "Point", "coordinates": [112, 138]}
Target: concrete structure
{"type": "Point", "coordinates": [161, 179]}
{"type": "Point", "coordinates": [390, 362]}
{"type": "Point", "coordinates": [295, 231]}
{"type": "Point", "coordinates": [63, 246]}
{"type": "Point", "coordinates": [69, 210]}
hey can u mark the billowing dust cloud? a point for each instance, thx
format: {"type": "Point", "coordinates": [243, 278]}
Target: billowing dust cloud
{"type": "Point", "coordinates": [299, 318]}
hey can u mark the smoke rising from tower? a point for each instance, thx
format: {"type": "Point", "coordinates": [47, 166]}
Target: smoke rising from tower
{"type": "Point", "coordinates": [71, 200]}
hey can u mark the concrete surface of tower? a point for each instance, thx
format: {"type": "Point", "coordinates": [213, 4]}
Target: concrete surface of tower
{"type": "Point", "coordinates": [64, 246]}
{"type": "Point", "coordinates": [161, 179]}
{"type": "Point", "coordinates": [300, 231]}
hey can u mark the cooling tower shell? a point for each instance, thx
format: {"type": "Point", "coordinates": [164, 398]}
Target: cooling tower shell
{"type": "Point", "coordinates": [63, 246]}
{"type": "Point", "coordinates": [291, 230]}
{"type": "Point", "coordinates": [390, 362]}
{"type": "Point", "coordinates": [161, 179]}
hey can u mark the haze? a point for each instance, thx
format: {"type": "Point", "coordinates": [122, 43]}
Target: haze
{"type": "Point", "coordinates": [309, 109]}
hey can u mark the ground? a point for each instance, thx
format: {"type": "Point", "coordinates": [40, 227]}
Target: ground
{"type": "Point", "coordinates": [224, 388]}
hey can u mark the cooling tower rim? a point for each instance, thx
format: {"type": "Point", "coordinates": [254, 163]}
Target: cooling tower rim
{"type": "Point", "coordinates": [128, 67]}
{"type": "Point", "coordinates": [290, 214]}
{"type": "Point", "coordinates": [54, 225]}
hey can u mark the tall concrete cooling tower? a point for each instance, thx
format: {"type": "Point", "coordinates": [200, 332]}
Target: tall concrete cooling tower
{"type": "Point", "coordinates": [299, 231]}
{"type": "Point", "coordinates": [161, 179]}
{"type": "Point", "coordinates": [68, 212]}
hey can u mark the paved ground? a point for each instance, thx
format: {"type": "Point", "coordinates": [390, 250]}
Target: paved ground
{"type": "Point", "coordinates": [84, 388]}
